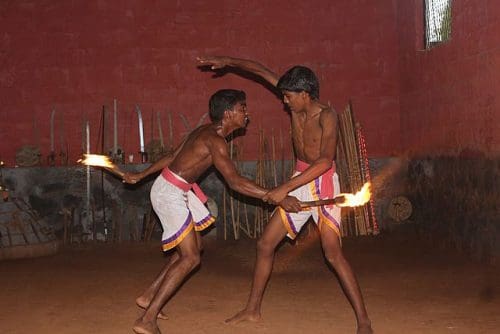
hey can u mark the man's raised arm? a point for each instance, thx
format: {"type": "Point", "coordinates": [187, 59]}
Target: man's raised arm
{"type": "Point", "coordinates": [218, 62]}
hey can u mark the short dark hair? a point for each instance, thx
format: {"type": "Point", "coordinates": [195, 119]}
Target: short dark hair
{"type": "Point", "coordinates": [223, 100]}
{"type": "Point", "coordinates": [298, 79]}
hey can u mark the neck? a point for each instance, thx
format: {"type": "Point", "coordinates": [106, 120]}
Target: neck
{"type": "Point", "coordinates": [223, 130]}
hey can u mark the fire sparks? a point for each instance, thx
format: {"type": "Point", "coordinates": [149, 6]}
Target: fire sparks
{"type": "Point", "coordinates": [357, 199]}
{"type": "Point", "coordinates": [96, 160]}
{"type": "Point", "coordinates": [101, 161]}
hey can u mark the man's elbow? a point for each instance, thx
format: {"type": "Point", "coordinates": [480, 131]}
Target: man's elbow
{"type": "Point", "coordinates": [325, 163]}
{"type": "Point", "coordinates": [233, 184]}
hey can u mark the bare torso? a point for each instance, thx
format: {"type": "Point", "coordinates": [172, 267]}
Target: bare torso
{"type": "Point", "coordinates": [194, 156]}
{"type": "Point", "coordinates": [307, 133]}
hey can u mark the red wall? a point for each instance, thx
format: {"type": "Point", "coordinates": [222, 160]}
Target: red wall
{"type": "Point", "coordinates": [76, 56]}
{"type": "Point", "coordinates": [449, 94]}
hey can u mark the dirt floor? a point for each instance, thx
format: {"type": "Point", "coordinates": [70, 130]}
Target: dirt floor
{"type": "Point", "coordinates": [408, 288]}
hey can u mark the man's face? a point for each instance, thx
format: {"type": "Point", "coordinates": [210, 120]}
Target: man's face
{"type": "Point", "coordinates": [294, 100]}
{"type": "Point", "coordinates": [240, 113]}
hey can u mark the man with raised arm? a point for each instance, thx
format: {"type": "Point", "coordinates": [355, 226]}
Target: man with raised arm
{"type": "Point", "coordinates": [178, 201]}
{"type": "Point", "coordinates": [314, 137]}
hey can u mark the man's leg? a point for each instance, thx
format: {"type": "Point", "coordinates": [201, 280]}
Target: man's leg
{"type": "Point", "coordinates": [144, 299]}
{"type": "Point", "coordinates": [333, 252]}
{"type": "Point", "coordinates": [266, 247]}
{"type": "Point", "coordinates": [189, 258]}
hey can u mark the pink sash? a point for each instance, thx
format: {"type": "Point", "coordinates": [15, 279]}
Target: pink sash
{"type": "Point", "coordinates": [326, 190]}
{"type": "Point", "coordinates": [172, 178]}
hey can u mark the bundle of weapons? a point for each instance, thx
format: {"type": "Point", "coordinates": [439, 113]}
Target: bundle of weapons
{"type": "Point", "coordinates": [241, 214]}
{"type": "Point", "coordinates": [353, 169]}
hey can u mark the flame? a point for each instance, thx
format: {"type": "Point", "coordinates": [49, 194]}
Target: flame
{"type": "Point", "coordinates": [357, 199]}
{"type": "Point", "coordinates": [96, 160]}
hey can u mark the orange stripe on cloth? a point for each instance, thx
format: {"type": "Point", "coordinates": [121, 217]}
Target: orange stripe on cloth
{"type": "Point", "coordinates": [323, 218]}
{"type": "Point", "coordinates": [287, 222]}
{"type": "Point", "coordinates": [178, 240]}
{"type": "Point", "coordinates": [325, 221]}
{"type": "Point", "coordinates": [209, 220]}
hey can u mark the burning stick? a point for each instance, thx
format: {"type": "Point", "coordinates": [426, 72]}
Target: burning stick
{"type": "Point", "coordinates": [344, 200]}
{"type": "Point", "coordinates": [101, 161]}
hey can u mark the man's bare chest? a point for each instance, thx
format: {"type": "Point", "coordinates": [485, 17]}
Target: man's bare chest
{"type": "Point", "coordinates": [306, 135]}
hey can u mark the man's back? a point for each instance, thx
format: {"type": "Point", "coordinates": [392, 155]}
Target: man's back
{"type": "Point", "coordinates": [195, 156]}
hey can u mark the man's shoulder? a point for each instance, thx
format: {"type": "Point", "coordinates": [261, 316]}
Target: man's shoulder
{"type": "Point", "coordinates": [325, 107]}
{"type": "Point", "coordinates": [209, 136]}
{"type": "Point", "coordinates": [326, 110]}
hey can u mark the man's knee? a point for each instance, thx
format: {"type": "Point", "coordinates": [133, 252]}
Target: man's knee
{"type": "Point", "coordinates": [265, 246]}
{"type": "Point", "coordinates": [192, 260]}
{"type": "Point", "coordinates": [334, 255]}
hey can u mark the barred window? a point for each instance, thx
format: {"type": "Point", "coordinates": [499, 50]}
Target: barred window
{"type": "Point", "coordinates": [437, 22]}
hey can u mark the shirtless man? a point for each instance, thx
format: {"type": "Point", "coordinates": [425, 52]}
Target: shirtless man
{"type": "Point", "coordinates": [314, 137]}
{"type": "Point", "coordinates": [181, 211]}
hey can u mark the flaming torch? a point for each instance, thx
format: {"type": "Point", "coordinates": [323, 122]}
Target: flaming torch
{"type": "Point", "coordinates": [344, 200]}
{"type": "Point", "coordinates": [101, 161]}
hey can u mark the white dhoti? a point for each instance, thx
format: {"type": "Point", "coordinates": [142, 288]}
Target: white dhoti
{"type": "Point", "coordinates": [328, 215]}
{"type": "Point", "coordinates": [178, 208]}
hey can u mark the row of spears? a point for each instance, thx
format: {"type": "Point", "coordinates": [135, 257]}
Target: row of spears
{"type": "Point", "coordinates": [107, 141]}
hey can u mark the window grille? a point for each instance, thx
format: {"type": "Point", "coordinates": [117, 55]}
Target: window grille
{"type": "Point", "coordinates": [437, 22]}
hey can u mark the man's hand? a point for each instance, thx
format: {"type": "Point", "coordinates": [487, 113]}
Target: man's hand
{"type": "Point", "coordinates": [276, 195]}
{"type": "Point", "coordinates": [215, 62]}
{"type": "Point", "coordinates": [291, 204]}
{"type": "Point", "coordinates": [132, 178]}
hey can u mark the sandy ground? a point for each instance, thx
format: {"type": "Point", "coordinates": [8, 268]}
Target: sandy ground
{"type": "Point", "coordinates": [408, 288]}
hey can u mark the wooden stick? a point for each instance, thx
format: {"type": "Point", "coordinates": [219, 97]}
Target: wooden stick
{"type": "Point", "coordinates": [160, 130]}
{"type": "Point", "coordinates": [170, 132]}
{"type": "Point", "coordinates": [273, 161]}
{"type": "Point", "coordinates": [94, 224]}
{"type": "Point", "coordinates": [185, 122]}
{"type": "Point", "coordinates": [202, 119]}
{"type": "Point", "coordinates": [115, 170]}
{"type": "Point", "coordinates": [329, 201]}
{"type": "Point", "coordinates": [115, 129]}
{"type": "Point", "coordinates": [224, 212]}
{"type": "Point", "coordinates": [282, 155]}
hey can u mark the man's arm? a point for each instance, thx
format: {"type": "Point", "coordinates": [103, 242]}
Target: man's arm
{"type": "Point", "coordinates": [133, 178]}
{"type": "Point", "coordinates": [218, 62]}
{"type": "Point", "coordinates": [225, 166]}
{"type": "Point", "coordinates": [328, 123]}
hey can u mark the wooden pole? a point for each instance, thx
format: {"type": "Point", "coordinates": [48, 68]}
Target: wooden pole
{"type": "Point", "coordinates": [170, 132]}
{"type": "Point", "coordinates": [160, 131]}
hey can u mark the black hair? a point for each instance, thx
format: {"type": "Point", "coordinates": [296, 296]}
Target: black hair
{"type": "Point", "coordinates": [223, 100]}
{"type": "Point", "coordinates": [298, 79]}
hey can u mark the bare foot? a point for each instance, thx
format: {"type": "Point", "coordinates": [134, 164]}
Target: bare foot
{"type": "Point", "coordinates": [143, 303]}
{"type": "Point", "coordinates": [365, 329]}
{"type": "Point", "coordinates": [142, 327]}
{"type": "Point", "coordinates": [243, 316]}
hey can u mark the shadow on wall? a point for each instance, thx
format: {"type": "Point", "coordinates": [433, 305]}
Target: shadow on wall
{"type": "Point", "coordinates": [456, 203]}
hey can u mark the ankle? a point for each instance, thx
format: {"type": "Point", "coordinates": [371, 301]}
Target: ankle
{"type": "Point", "coordinates": [365, 322]}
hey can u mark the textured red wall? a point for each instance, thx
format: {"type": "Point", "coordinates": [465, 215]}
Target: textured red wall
{"type": "Point", "coordinates": [76, 56]}
{"type": "Point", "coordinates": [449, 94]}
